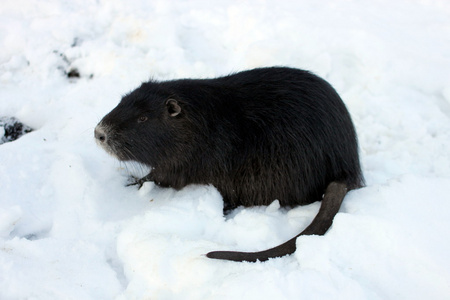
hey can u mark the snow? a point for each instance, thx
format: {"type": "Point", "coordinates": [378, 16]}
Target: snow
{"type": "Point", "coordinates": [71, 229]}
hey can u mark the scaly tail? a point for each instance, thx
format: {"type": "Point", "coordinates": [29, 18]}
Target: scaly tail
{"type": "Point", "coordinates": [331, 203]}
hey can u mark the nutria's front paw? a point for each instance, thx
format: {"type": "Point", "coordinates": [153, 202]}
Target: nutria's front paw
{"type": "Point", "coordinates": [132, 180]}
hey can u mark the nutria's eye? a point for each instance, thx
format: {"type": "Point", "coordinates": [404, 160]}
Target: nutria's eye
{"type": "Point", "coordinates": [142, 119]}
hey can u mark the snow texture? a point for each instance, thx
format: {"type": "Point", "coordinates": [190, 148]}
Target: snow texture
{"type": "Point", "coordinates": [71, 229]}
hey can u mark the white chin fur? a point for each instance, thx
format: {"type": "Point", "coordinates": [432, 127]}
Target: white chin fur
{"type": "Point", "coordinates": [136, 169]}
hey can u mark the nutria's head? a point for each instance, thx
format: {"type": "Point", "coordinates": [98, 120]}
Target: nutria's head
{"type": "Point", "coordinates": [147, 125]}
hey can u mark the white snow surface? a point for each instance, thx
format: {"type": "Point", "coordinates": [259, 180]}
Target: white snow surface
{"type": "Point", "coordinates": [71, 229]}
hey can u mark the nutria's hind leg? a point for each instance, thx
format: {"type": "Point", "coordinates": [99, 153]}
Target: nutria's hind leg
{"type": "Point", "coordinates": [228, 207]}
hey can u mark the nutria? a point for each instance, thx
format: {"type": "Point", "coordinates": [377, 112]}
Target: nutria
{"type": "Point", "coordinates": [257, 135]}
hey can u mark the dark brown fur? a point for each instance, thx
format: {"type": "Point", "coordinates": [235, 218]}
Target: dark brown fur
{"type": "Point", "coordinates": [257, 136]}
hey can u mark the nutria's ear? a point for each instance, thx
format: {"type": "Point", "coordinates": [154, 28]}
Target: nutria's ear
{"type": "Point", "coordinates": [173, 107]}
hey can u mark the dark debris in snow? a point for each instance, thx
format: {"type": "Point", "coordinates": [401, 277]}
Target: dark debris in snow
{"type": "Point", "coordinates": [11, 129]}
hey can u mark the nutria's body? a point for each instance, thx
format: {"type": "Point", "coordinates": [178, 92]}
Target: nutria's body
{"type": "Point", "coordinates": [257, 136]}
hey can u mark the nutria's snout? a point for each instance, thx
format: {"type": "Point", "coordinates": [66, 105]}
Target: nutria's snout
{"type": "Point", "coordinates": [101, 137]}
{"type": "Point", "coordinates": [100, 134]}
{"type": "Point", "coordinates": [107, 139]}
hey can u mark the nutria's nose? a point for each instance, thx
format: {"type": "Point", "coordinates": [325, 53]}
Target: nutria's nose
{"type": "Point", "coordinates": [100, 134]}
